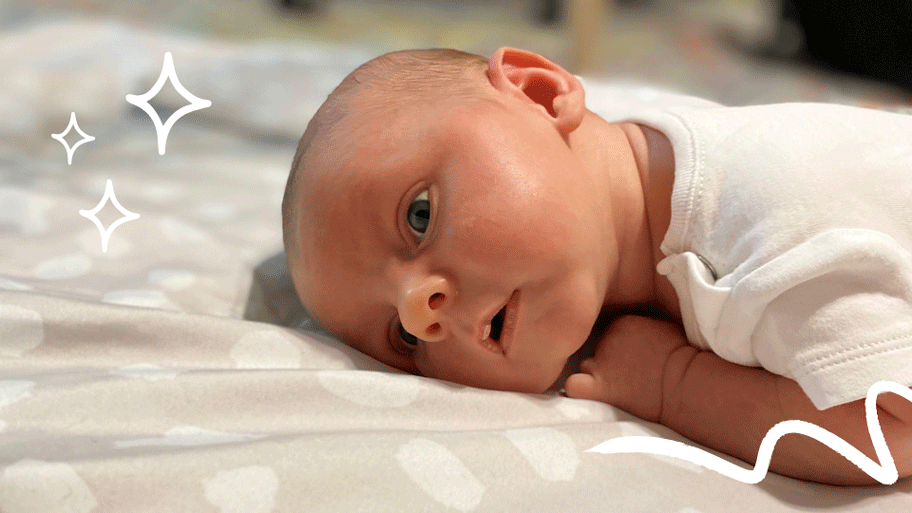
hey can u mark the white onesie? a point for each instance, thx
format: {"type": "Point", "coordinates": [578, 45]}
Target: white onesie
{"type": "Point", "coordinates": [790, 244]}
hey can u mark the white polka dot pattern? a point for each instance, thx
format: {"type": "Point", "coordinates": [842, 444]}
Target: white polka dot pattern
{"type": "Point", "coordinates": [145, 371]}
{"type": "Point", "coordinates": [440, 474]}
{"type": "Point", "coordinates": [139, 297]}
{"type": "Point", "coordinates": [377, 389]}
{"type": "Point", "coordinates": [30, 486]}
{"type": "Point", "coordinates": [161, 192]}
{"type": "Point", "coordinates": [172, 279]}
{"type": "Point", "coordinates": [217, 211]}
{"type": "Point", "coordinates": [7, 284]}
{"type": "Point", "coordinates": [29, 213]}
{"type": "Point", "coordinates": [90, 242]}
{"type": "Point", "coordinates": [265, 349]}
{"type": "Point", "coordinates": [188, 436]}
{"type": "Point", "coordinates": [21, 330]}
{"type": "Point", "coordinates": [62, 268]}
{"type": "Point", "coordinates": [577, 409]}
{"type": "Point", "coordinates": [551, 453]}
{"type": "Point", "coordinates": [243, 490]}
{"type": "Point", "coordinates": [179, 232]}
{"type": "Point", "coordinates": [13, 391]}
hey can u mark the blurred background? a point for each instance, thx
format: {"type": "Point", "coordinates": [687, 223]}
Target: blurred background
{"type": "Point", "coordinates": [734, 51]}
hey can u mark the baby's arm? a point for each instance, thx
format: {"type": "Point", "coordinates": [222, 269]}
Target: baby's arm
{"type": "Point", "coordinates": [646, 367]}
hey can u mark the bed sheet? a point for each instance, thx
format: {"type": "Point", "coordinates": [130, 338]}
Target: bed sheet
{"type": "Point", "coordinates": [175, 371]}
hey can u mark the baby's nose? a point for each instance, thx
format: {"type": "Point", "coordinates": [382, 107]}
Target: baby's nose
{"type": "Point", "coordinates": [421, 308]}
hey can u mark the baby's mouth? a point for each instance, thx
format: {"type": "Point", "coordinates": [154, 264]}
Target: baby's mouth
{"type": "Point", "coordinates": [502, 323]}
{"type": "Point", "coordinates": [496, 325]}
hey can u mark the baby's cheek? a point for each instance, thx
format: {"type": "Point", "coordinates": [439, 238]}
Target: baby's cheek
{"type": "Point", "coordinates": [497, 242]}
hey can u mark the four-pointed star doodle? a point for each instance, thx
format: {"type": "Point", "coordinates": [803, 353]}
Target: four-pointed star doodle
{"type": "Point", "coordinates": [142, 101]}
{"type": "Point", "coordinates": [70, 149]}
{"type": "Point", "coordinates": [106, 232]}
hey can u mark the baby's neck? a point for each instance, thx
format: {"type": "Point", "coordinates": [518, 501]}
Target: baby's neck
{"type": "Point", "coordinates": [643, 218]}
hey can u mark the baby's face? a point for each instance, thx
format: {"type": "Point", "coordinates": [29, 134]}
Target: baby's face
{"type": "Point", "coordinates": [462, 242]}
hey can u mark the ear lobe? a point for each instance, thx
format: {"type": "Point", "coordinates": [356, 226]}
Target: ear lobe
{"type": "Point", "coordinates": [533, 78]}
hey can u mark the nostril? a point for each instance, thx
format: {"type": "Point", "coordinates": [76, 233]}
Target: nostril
{"type": "Point", "coordinates": [433, 329]}
{"type": "Point", "coordinates": [435, 300]}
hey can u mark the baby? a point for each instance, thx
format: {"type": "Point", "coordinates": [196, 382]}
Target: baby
{"type": "Point", "coordinates": [470, 219]}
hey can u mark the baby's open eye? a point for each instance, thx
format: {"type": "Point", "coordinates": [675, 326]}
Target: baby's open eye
{"type": "Point", "coordinates": [419, 214]}
{"type": "Point", "coordinates": [409, 341]}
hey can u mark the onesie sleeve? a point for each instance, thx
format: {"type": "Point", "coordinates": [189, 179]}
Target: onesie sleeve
{"type": "Point", "coordinates": [838, 314]}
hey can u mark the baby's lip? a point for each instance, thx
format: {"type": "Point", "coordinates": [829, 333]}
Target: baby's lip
{"type": "Point", "coordinates": [502, 344]}
{"type": "Point", "coordinates": [509, 324]}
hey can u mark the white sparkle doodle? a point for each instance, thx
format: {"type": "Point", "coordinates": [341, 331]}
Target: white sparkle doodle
{"type": "Point", "coordinates": [885, 473]}
{"type": "Point", "coordinates": [142, 101]}
{"type": "Point", "coordinates": [90, 215]}
{"type": "Point", "coordinates": [60, 137]}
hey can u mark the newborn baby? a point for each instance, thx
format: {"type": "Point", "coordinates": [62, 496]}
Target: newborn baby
{"type": "Point", "coordinates": [470, 219]}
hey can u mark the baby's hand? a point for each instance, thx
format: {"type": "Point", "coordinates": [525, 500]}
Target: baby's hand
{"type": "Point", "coordinates": [628, 367]}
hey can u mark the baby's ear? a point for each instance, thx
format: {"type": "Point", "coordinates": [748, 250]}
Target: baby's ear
{"type": "Point", "coordinates": [531, 77]}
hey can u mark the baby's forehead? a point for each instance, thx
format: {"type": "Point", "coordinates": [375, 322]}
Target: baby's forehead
{"type": "Point", "coordinates": [368, 152]}
{"type": "Point", "coordinates": [347, 181]}
{"type": "Point", "coordinates": [342, 179]}
{"type": "Point", "coordinates": [338, 160]}
{"type": "Point", "coordinates": [371, 152]}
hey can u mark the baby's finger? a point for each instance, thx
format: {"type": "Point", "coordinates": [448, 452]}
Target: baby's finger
{"type": "Point", "coordinates": [581, 386]}
{"type": "Point", "coordinates": [587, 366]}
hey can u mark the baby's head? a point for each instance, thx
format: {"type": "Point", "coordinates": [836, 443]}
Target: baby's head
{"type": "Point", "coordinates": [439, 217]}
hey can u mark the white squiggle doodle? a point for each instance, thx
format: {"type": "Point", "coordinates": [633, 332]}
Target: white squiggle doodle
{"type": "Point", "coordinates": [884, 473]}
